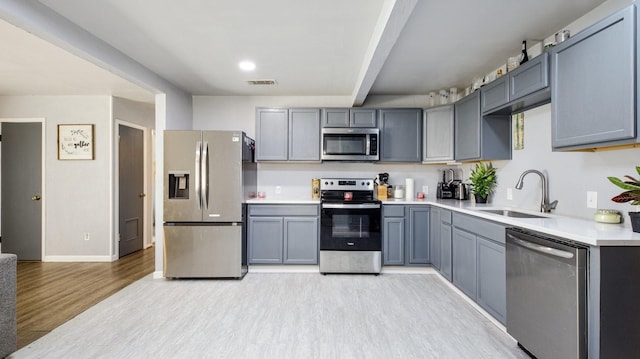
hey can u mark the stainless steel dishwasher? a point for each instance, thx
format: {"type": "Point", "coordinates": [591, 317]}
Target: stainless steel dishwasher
{"type": "Point", "coordinates": [546, 294]}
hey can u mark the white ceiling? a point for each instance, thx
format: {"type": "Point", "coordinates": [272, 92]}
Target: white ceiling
{"type": "Point", "coordinates": [309, 47]}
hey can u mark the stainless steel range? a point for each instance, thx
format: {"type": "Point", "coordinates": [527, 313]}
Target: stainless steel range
{"type": "Point", "coordinates": [350, 231]}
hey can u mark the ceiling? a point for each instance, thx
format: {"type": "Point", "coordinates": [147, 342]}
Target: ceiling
{"type": "Point", "coordinates": [309, 47]}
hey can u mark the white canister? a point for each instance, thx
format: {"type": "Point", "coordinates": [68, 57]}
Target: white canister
{"type": "Point", "coordinates": [444, 97]}
{"type": "Point", "coordinates": [398, 191]}
{"type": "Point", "coordinates": [408, 188]}
{"type": "Point", "coordinates": [453, 94]}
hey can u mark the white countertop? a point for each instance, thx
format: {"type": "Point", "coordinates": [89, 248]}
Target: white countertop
{"type": "Point", "coordinates": [577, 229]}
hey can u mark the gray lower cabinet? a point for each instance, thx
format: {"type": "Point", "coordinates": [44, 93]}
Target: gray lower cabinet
{"type": "Point", "coordinates": [288, 134]}
{"type": "Point", "coordinates": [594, 97]}
{"type": "Point", "coordinates": [446, 265]}
{"type": "Point", "coordinates": [405, 237]}
{"type": "Point", "coordinates": [393, 233]}
{"type": "Point", "coordinates": [478, 137]}
{"type": "Point", "coordinates": [283, 234]}
{"type": "Point", "coordinates": [418, 248]}
{"type": "Point", "coordinates": [464, 261]}
{"type": "Point", "coordinates": [438, 134]}
{"type": "Point", "coordinates": [401, 135]}
{"type": "Point", "coordinates": [491, 283]}
{"type": "Point", "coordinates": [478, 254]}
{"type": "Point", "coordinates": [434, 237]}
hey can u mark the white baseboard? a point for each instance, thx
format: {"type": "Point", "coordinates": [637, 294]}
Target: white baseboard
{"type": "Point", "coordinates": [284, 269]}
{"type": "Point", "coordinates": [77, 259]}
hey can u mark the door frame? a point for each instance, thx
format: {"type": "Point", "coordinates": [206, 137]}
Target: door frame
{"type": "Point", "coordinates": [43, 195]}
{"type": "Point", "coordinates": [147, 239]}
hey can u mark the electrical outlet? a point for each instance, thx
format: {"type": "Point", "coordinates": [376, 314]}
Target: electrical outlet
{"type": "Point", "coordinates": [87, 236]}
{"type": "Point", "coordinates": [592, 199]}
{"type": "Point", "coordinates": [510, 194]}
{"type": "Point", "coordinates": [278, 189]}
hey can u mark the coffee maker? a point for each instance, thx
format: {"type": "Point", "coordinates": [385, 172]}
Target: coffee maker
{"type": "Point", "coordinates": [446, 189]}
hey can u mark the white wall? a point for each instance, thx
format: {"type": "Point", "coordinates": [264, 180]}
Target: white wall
{"type": "Point", "coordinates": [77, 192]}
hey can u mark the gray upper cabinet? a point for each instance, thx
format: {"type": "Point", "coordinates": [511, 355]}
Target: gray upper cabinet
{"type": "Point", "coordinates": [594, 90]}
{"type": "Point", "coordinates": [288, 134]}
{"type": "Point", "coordinates": [350, 117]}
{"type": "Point", "coordinates": [480, 137]}
{"type": "Point", "coordinates": [523, 88]}
{"type": "Point", "coordinates": [467, 127]}
{"type": "Point", "coordinates": [272, 129]}
{"type": "Point", "coordinates": [495, 94]}
{"type": "Point", "coordinates": [363, 117]}
{"type": "Point", "coordinates": [531, 77]}
{"type": "Point", "coordinates": [304, 134]}
{"type": "Point", "coordinates": [401, 133]}
{"type": "Point", "coordinates": [438, 134]}
{"type": "Point", "coordinates": [335, 117]}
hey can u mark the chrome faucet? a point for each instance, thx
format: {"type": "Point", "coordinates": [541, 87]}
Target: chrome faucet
{"type": "Point", "coordinates": [545, 206]}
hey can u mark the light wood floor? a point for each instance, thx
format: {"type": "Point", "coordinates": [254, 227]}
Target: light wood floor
{"type": "Point", "coordinates": [281, 315]}
{"type": "Point", "coordinates": [50, 294]}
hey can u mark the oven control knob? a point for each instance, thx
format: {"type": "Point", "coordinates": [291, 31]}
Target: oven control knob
{"type": "Point", "coordinates": [326, 183]}
{"type": "Point", "coordinates": [332, 183]}
{"type": "Point", "coordinates": [368, 183]}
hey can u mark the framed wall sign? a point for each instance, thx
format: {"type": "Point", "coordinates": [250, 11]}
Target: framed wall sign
{"type": "Point", "coordinates": [75, 142]}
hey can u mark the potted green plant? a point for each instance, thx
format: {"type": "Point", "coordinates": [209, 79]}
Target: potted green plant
{"type": "Point", "coordinates": [483, 181]}
{"type": "Point", "coordinates": [631, 187]}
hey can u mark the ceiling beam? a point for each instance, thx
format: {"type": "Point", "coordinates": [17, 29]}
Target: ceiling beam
{"type": "Point", "coordinates": [393, 17]}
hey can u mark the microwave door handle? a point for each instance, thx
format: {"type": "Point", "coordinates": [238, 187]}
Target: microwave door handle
{"type": "Point", "coordinates": [205, 174]}
{"type": "Point", "coordinates": [367, 145]}
{"type": "Point", "coordinates": [197, 176]}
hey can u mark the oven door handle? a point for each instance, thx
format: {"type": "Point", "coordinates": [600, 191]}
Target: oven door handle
{"type": "Point", "coordinates": [351, 206]}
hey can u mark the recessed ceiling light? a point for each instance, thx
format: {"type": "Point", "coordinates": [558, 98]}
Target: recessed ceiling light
{"type": "Point", "coordinates": [247, 66]}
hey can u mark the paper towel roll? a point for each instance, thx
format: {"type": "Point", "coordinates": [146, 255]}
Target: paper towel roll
{"type": "Point", "coordinates": [408, 188]}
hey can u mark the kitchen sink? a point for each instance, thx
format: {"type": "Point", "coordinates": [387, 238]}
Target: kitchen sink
{"type": "Point", "coordinates": [511, 213]}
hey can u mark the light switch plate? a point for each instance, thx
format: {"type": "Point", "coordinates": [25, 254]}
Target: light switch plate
{"type": "Point", "coordinates": [592, 199]}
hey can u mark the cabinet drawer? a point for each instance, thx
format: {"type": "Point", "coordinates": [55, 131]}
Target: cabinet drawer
{"type": "Point", "coordinates": [393, 211]}
{"type": "Point", "coordinates": [283, 210]}
{"type": "Point", "coordinates": [480, 227]}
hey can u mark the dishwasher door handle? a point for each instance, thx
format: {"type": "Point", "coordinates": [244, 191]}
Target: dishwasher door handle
{"type": "Point", "coordinates": [541, 249]}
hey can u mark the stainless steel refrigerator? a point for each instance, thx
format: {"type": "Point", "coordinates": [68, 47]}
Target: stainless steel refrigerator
{"type": "Point", "coordinates": [208, 177]}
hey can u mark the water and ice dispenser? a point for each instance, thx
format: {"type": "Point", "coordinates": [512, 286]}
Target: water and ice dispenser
{"type": "Point", "coordinates": [178, 185]}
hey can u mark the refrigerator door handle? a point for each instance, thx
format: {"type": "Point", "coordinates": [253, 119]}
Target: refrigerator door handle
{"type": "Point", "coordinates": [197, 176]}
{"type": "Point", "coordinates": [205, 174]}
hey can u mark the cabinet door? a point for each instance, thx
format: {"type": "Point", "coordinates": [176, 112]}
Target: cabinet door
{"type": "Point", "coordinates": [467, 127]}
{"type": "Point", "coordinates": [393, 241]}
{"type": "Point", "coordinates": [304, 134]}
{"type": "Point", "coordinates": [445, 251]}
{"type": "Point", "coordinates": [363, 117]}
{"type": "Point", "coordinates": [301, 240]}
{"type": "Point", "coordinates": [335, 117]}
{"type": "Point", "coordinates": [492, 278]}
{"type": "Point", "coordinates": [438, 134]}
{"type": "Point", "coordinates": [495, 94]}
{"type": "Point", "coordinates": [434, 237]}
{"type": "Point", "coordinates": [464, 262]}
{"type": "Point", "coordinates": [593, 88]}
{"type": "Point", "coordinates": [529, 78]}
{"type": "Point", "coordinates": [272, 128]}
{"type": "Point", "coordinates": [401, 132]}
{"type": "Point", "coordinates": [418, 235]}
{"type": "Point", "coordinates": [265, 240]}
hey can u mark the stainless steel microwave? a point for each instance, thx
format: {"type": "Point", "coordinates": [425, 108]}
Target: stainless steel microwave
{"type": "Point", "coordinates": [350, 144]}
